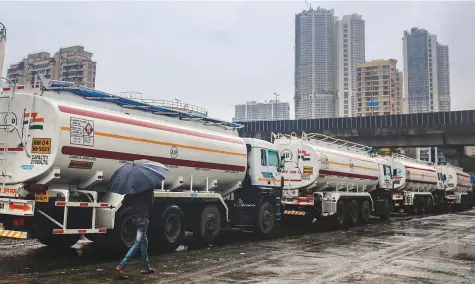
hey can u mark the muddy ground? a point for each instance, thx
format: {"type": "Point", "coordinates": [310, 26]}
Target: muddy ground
{"type": "Point", "coordinates": [431, 249]}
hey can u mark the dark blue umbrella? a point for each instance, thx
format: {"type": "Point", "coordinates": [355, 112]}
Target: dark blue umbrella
{"type": "Point", "coordinates": [137, 176]}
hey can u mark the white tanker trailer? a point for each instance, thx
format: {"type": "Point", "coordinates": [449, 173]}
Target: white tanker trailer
{"type": "Point", "coordinates": [455, 188]}
{"type": "Point", "coordinates": [62, 142]}
{"type": "Point", "coordinates": [324, 176]}
{"type": "Point", "coordinates": [414, 181]}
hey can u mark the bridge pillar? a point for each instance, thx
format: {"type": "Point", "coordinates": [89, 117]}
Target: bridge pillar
{"type": "Point", "coordinates": [453, 154]}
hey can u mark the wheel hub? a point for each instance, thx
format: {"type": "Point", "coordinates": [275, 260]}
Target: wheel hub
{"type": "Point", "coordinates": [172, 227]}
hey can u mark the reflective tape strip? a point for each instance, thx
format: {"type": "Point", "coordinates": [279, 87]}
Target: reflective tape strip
{"type": "Point", "coordinates": [289, 212]}
{"type": "Point", "coordinates": [13, 234]}
{"type": "Point", "coordinates": [79, 231]}
{"type": "Point", "coordinates": [80, 204]}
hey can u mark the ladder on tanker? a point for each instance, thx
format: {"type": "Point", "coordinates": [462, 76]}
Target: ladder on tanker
{"type": "Point", "coordinates": [9, 124]}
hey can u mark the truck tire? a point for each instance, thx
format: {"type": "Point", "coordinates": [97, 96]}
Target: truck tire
{"type": "Point", "coordinates": [123, 236]}
{"type": "Point", "coordinates": [353, 212]}
{"type": "Point", "coordinates": [209, 225]}
{"type": "Point", "coordinates": [429, 205]}
{"type": "Point", "coordinates": [385, 215]}
{"type": "Point", "coordinates": [171, 228]}
{"type": "Point", "coordinates": [341, 215]}
{"type": "Point", "coordinates": [365, 211]}
{"type": "Point", "coordinates": [265, 219]}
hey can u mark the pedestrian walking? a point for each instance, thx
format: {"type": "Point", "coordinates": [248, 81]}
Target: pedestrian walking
{"type": "Point", "coordinates": [137, 181]}
{"type": "Point", "coordinates": [141, 205]}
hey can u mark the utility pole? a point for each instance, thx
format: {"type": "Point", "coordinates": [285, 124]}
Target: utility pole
{"type": "Point", "coordinates": [274, 105]}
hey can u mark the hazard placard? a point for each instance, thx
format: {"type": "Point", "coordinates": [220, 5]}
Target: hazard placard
{"type": "Point", "coordinates": [41, 146]}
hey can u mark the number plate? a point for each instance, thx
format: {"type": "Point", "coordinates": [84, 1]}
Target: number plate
{"type": "Point", "coordinates": [42, 197]}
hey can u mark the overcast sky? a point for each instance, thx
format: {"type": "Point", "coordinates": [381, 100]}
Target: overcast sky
{"type": "Point", "coordinates": [218, 54]}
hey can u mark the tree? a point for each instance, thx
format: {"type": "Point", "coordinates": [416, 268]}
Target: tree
{"type": "Point", "coordinates": [468, 164]}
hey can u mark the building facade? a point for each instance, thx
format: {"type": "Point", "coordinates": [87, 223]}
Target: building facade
{"type": "Point", "coordinates": [315, 63]}
{"type": "Point", "coordinates": [350, 49]}
{"type": "Point", "coordinates": [3, 39]}
{"type": "Point", "coordinates": [379, 88]}
{"type": "Point", "coordinates": [72, 64]}
{"type": "Point", "coordinates": [427, 79]}
{"type": "Point", "coordinates": [269, 110]}
{"type": "Point", "coordinates": [443, 77]}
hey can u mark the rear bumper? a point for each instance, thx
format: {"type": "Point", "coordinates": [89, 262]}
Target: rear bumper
{"type": "Point", "coordinates": [12, 234]}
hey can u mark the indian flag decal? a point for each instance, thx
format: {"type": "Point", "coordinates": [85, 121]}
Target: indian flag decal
{"type": "Point", "coordinates": [304, 155]}
{"type": "Point", "coordinates": [35, 121]}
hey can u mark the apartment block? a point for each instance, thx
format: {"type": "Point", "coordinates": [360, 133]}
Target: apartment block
{"type": "Point", "coordinates": [350, 48]}
{"type": "Point", "coordinates": [427, 73]}
{"type": "Point", "coordinates": [315, 63]}
{"type": "Point", "coordinates": [327, 51]}
{"type": "Point", "coordinates": [379, 88]}
{"type": "Point", "coordinates": [72, 64]}
{"type": "Point", "coordinates": [269, 110]}
{"type": "Point", "coordinates": [443, 77]}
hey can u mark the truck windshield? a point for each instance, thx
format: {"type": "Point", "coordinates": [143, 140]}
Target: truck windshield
{"type": "Point", "coordinates": [273, 158]}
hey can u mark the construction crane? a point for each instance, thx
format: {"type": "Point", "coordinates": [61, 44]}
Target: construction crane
{"type": "Point", "coordinates": [309, 4]}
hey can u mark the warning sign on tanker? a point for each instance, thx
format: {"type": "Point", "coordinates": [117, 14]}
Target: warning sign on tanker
{"type": "Point", "coordinates": [81, 132]}
{"type": "Point", "coordinates": [41, 146]}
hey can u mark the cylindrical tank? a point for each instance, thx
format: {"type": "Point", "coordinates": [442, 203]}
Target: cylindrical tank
{"type": "Point", "coordinates": [81, 136]}
{"type": "Point", "coordinates": [317, 167]}
{"type": "Point", "coordinates": [410, 174]}
{"type": "Point", "coordinates": [455, 178]}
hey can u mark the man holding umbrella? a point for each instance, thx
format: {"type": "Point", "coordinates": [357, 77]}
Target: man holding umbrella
{"type": "Point", "coordinates": [137, 180]}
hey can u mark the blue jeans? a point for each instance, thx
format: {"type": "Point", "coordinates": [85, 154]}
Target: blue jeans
{"type": "Point", "coordinates": [141, 241]}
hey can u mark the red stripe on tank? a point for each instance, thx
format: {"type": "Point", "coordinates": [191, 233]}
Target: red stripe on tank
{"type": "Point", "coordinates": [145, 124]}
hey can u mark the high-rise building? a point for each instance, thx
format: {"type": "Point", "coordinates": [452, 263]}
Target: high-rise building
{"type": "Point", "coordinates": [350, 49]}
{"type": "Point", "coordinates": [72, 64]}
{"type": "Point", "coordinates": [426, 80]}
{"type": "Point", "coordinates": [315, 64]}
{"type": "Point", "coordinates": [443, 77]}
{"type": "Point", "coordinates": [269, 110]}
{"type": "Point", "coordinates": [421, 70]}
{"type": "Point", "coordinates": [379, 88]}
{"type": "Point", "coordinates": [3, 38]}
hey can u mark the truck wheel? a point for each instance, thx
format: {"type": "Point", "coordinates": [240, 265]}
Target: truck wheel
{"type": "Point", "coordinates": [341, 214]}
{"type": "Point", "coordinates": [429, 205]}
{"type": "Point", "coordinates": [171, 228]}
{"type": "Point", "coordinates": [265, 218]}
{"type": "Point", "coordinates": [353, 212]}
{"type": "Point", "coordinates": [123, 236]}
{"type": "Point", "coordinates": [364, 212]}
{"type": "Point", "coordinates": [209, 225]}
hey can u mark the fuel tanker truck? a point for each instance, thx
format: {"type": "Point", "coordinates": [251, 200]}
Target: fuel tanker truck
{"type": "Point", "coordinates": [325, 177]}
{"type": "Point", "coordinates": [414, 181]}
{"type": "Point", "coordinates": [62, 143]}
{"type": "Point", "coordinates": [420, 187]}
{"type": "Point", "coordinates": [455, 188]}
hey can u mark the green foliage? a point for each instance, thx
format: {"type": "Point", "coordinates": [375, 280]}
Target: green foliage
{"type": "Point", "coordinates": [468, 164]}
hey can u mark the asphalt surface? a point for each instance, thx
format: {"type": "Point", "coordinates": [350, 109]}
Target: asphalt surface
{"type": "Point", "coordinates": [431, 249]}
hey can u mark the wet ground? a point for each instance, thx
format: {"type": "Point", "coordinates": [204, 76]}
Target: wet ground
{"type": "Point", "coordinates": [432, 249]}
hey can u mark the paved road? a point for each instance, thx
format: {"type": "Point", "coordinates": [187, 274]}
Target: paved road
{"type": "Point", "coordinates": [433, 249]}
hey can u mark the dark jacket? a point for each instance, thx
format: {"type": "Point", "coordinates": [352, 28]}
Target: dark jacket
{"type": "Point", "coordinates": [141, 203]}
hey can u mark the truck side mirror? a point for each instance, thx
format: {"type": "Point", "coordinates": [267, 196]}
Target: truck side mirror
{"type": "Point", "coordinates": [395, 172]}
